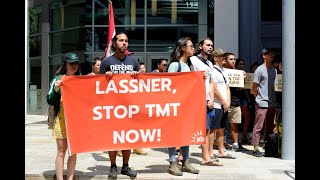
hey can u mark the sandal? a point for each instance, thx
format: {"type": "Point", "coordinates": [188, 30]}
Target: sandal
{"type": "Point", "coordinates": [211, 163]}
{"type": "Point", "coordinates": [228, 156]}
{"type": "Point", "coordinates": [214, 158]}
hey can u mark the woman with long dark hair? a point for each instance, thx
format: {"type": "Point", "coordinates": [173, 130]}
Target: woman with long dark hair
{"type": "Point", "coordinates": [69, 67]}
{"type": "Point", "coordinates": [180, 62]}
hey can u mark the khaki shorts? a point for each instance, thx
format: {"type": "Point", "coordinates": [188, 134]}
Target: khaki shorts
{"type": "Point", "coordinates": [234, 115]}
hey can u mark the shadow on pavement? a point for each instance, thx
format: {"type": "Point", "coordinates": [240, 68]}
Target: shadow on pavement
{"type": "Point", "coordinates": [99, 157]}
{"type": "Point", "coordinates": [155, 169]}
{"type": "Point", "coordinates": [39, 122]}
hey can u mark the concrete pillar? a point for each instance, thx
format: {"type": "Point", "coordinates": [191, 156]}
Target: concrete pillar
{"type": "Point", "coordinates": [45, 55]}
{"type": "Point", "coordinates": [226, 25]}
{"type": "Point", "coordinates": [288, 73]}
{"type": "Point", "coordinates": [249, 31]}
{"type": "Point", "coordinates": [203, 21]}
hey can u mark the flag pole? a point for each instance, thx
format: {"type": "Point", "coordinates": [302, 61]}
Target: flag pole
{"type": "Point", "coordinates": [111, 31]}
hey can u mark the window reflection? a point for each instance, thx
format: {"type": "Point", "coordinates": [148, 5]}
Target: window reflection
{"type": "Point", "coordinates": [67, 14]}
{"type": "Point", "coordinates": [172, 34]}
{"type": "Point", "coordinates": [172, 12]}
{"type": "Point", "coordinates": [67, 41]}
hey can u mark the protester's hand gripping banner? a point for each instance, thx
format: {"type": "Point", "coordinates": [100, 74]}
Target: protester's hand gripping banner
{"type": "Point", "coordinates": [152, 110]}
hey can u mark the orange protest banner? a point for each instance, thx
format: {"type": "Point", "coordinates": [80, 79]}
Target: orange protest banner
{"type": "Point", "coordinates": [153, 110]}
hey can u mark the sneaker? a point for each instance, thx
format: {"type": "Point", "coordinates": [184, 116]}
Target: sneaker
{"type": "Point", "coordinates": [174, 169]}
{"type": "Point", "coordinates": [128, 171]}
{"type": "Point", "coordinates": [119, 153]}
{"type": "Point", "coordinates": [235, 146]}
{"type": "Point", "coordinates": [113, 173]}
{"type": "Point", "coordinates": [140, 151]}
{"type": "Point", "coordinates": [257, 153]}
{"type": "Point", "coordinates": [186, 166]}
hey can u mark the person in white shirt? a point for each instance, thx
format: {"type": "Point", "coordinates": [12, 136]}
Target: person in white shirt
{"type": "Point", "coordinates": [222, 100]}
{"type": "Point", "coordinates": [201, 62]}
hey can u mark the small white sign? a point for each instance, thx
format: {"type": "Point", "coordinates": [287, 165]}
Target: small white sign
{"type": "Point", "coordinates": [278, 84]}
{"type": "Point", "coordinates": [236, 77]}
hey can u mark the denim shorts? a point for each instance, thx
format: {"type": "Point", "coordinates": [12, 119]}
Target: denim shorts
{"type": "Point", "coordinates": [209, 119]}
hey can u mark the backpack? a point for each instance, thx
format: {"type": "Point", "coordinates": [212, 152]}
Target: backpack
{"type": "Point", "coordinates": [51, 116]}
{"type": "Point", "coordinates": [179, 66]}
{"type": "Point", "coordinates": [271, 146]}
{"type": "Point", "coordinates": [51, 113]}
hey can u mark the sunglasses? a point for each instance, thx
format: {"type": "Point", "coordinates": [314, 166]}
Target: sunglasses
{"type": "Point", "coordinates": [164, 64]}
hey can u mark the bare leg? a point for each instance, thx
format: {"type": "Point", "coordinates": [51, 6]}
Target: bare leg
{"type": "Point", "coordinates": [126, 156]}
{"type": "Point", "coordinates": [234, 132]}
{"type": "Point", "coordinates": [71, 165]}
{"type": "Point", "coordinates": [205, 150]}
{"type": "Point", "coordinates": [220, 137]}
{"type": "Point", "coordinates": [211, 141]}
{"type": "Point", "coordinates": [61, 152]}
{"type": "Point", "coordinates": [112, 157]}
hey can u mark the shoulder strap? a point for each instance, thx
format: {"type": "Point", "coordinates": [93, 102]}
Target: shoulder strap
{"type": "Point", "coordinates": [179, 66]}
{"type": "Point", "coordinates": [221, 73]}
{"type": "Point", "coordinates": [202, 60]}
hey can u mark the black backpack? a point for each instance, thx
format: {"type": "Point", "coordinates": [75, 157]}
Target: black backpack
{"type": "Point", "coordinates": [179, 66]}
{"type": "Point", "coordinates": [271, 146]}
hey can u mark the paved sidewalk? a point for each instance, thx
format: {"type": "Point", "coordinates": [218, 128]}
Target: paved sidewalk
{"type": "Point", "coordinates": [40, 152]}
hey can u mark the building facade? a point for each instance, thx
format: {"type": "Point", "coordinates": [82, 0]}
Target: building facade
{"type": "Point", "coordinates": [153, 27]}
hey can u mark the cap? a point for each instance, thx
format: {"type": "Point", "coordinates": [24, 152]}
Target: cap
{"type": "Point", "coordinates": [217, 52]}
{"type": "Point", "coordinates": [71, 57]}
{"type": "Point", "coordinates": [129, 52]}
{"type": "Point", "coordinates": [266, 51]}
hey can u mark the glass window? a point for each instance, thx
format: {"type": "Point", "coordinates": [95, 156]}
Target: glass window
{"type": "Point", "coordinates": [172, 12]}
{"type": "Point", "coordinates": [125, 12]}
{"type": "Point", "coordinates": [67, 41]}
{"type": "Point", "coordinates": [88, 15]}
{"type": "Point", "coordinates": [34, 20]}
{"type": "Point", "coordinates": [89, 39]}
{"type": "Point", "coordinates": [35, 71]}
{"type": "Point", "coordinates": [172, 34]}
{"type": "Point", "coordinates": [34, 89]}
{"type": "Point", "coordinates": [35, 46]}
{"type": "Point", "coordinates": [135, 37]}
{"type": "Point", "coordinates": [66, 14]}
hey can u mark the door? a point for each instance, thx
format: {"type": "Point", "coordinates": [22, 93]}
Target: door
{"type": "Point", "coordinates": [152, 60]}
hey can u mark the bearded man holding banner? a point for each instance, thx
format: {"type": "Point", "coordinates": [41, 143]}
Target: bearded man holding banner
{"type": "Point", "coordinates": [119, 58]}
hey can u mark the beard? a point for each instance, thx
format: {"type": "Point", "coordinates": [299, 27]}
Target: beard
{"type": "Point", "coordinates": [208, 54]}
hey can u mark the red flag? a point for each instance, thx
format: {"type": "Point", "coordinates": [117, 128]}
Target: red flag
{"type": "Point", "coordinates": [111, 31]}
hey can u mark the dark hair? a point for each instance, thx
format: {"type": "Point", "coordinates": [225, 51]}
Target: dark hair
{"type": "Point", "coordinates": [198, 51]}
{"type": "Point", "coordinates": [238, 60]}
{"type": "Point", "coordinates": [160, 60]}
{"type": "Point", "coordinates": [94, 61]}
{"type": "Point", "coordinates": [211, 58]}
{"type": "Point", "coordinates": [63, 69]}
{"type": "Point", "coordinates": [177, 51]}
{"type": "Point", "coordinates": [114, 39]}
{"type": "Point", "coordinates": [226, 54]}
{"type": "Point", "coordinates": [254, 64]}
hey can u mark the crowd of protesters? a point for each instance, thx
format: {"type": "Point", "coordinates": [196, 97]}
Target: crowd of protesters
{"type": "Point", "coordinates": [229, 109]}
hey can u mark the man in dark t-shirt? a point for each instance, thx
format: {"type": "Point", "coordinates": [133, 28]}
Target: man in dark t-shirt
{"type": "Point", "coordinates": [120, 63]}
